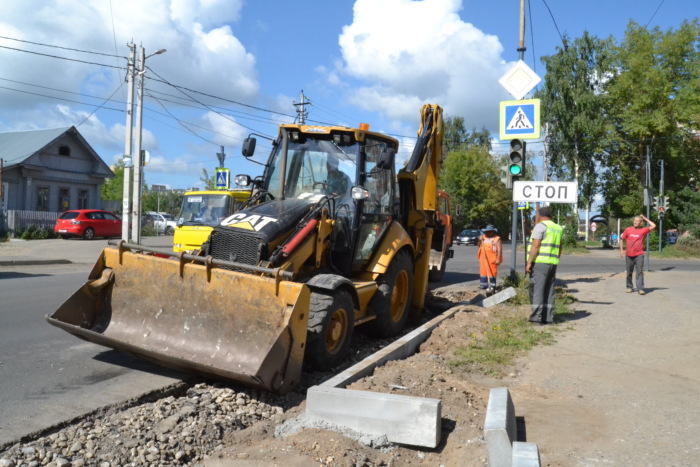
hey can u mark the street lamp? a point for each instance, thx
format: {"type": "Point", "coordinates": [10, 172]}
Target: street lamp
{"type": "Point", "coordinates": [138, 161]}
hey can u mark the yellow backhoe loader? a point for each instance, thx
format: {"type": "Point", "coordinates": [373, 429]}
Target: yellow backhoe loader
{"type": "Point", "coordinates": [330, 239]}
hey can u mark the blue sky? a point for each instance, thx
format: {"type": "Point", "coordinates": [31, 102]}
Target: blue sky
{"type": "Point", "coordinates": [240, 65]}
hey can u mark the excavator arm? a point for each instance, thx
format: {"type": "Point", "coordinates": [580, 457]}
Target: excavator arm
{"type": "Point", "coordinates": [418, 188]}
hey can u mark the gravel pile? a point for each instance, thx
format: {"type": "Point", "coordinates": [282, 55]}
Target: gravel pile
{"type": "Point", "coordinates": [170, 431]}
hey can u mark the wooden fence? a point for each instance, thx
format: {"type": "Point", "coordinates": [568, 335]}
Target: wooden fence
{"type": "Point", "coordinates": [13, 221]}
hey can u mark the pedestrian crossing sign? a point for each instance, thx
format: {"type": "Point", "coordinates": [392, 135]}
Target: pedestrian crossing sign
{"type": "Point", "coordinates": [520, 119]}
{"type": "Point", "coordinates": [223, 179]}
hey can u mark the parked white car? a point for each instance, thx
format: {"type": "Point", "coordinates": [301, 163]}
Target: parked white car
{"type": "Point", "coordinates": [162, 222]}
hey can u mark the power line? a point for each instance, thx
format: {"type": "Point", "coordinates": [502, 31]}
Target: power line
{"type": "Point", "coordinates": [101, 105]}
{"type": "Point", "coordinates": [56, 98]}
{"type": "Point", "coordinates": [62, 58]}
{"type": "Point", "coordinates": [181, 88]}
{"type": "Point", "coordinates": [554, 21]}
{"type": "Point", "coordinates": [655, 12]}
{"type": "Point", "coordinates": [62, 48]}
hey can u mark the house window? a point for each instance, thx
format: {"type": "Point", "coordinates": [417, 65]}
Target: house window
{"type": "Point", "coordinates": [82, 199]}
{"type": "Point", "coordinates": [64, 151]}
{"type": "Point", "coordinates": [42, 198]}
{"type": "Point", "coordinates": [63, 199]}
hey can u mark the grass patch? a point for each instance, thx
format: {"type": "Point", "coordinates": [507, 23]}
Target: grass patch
{"type": "Point", "coordinates": [494, 351]}
{"type": "Point", "coordinates": [498, 347]}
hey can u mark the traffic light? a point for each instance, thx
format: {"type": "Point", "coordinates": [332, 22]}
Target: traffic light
{"type": "Point", "coordinates": [516, 167]}
{"type": "Point", "coordinates": [506, 179]}
{"type": "Point", "coordinates": [657, 205]}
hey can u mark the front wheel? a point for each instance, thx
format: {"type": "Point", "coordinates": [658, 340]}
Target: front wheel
{"type": "Point", "coordinates": [89, 234]}
{"type": "Point", "coordinates": [331, 322]}
{"type": "Point", "coordinates": [392, 300]}
{"type": "Point", "coordinates": [169, 230]}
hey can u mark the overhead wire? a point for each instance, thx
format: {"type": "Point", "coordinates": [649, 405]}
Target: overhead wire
{"type": "Point", "coordinates": [554, 21]}
{"type": "Point", "coordinates": [60, 47]}
{"type": "Point", "coordinates": [655, 12]}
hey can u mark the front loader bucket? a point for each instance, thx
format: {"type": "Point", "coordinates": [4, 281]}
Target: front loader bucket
{"type": "Point", "coordinates": [193, 317]}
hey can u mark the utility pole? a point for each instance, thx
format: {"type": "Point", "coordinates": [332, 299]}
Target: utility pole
{"type": "Point", "coordinates": [647, 185]}
{"type": "Point", "coordinates": [128, 161]}
{"type": "Point", "coordinates": [301, 109]}
{"type": "Point", "coordinates": [138, 162]}
{"type": "Point", "coordinates": [514, 215]}
{"type": "Point", "coordinates": [222, 157]}
{"type": "Point", "coordinates": [138, 153]}
{"type": "Point", "coordinates": [662, 204]}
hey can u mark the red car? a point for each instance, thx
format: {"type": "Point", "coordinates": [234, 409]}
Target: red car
{"type": "Point", "coordinates": [88, 223]}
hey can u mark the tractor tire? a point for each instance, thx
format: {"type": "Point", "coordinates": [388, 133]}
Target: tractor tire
{"type": "Point", "coordinates": [331, 323]}
{"type": "Point", "coordinates": [89, 234]}
{"type": "Point", "coordinates": [392, 301]}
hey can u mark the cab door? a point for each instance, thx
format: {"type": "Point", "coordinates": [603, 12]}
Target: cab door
{"type": "Point", "coordinates": [377, 210]}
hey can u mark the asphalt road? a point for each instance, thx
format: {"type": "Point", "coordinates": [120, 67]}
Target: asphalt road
{"type": "Point", "coordinates": [48, 376]}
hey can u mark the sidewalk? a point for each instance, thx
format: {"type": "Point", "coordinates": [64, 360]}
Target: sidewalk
{"type": "Point", "coordinates": [57, 251]}
{"type": "Point", "coordinates": [621, 384]}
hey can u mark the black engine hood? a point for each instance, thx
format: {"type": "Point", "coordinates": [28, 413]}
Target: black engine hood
{"type": "Point", "coordinates": [269, 220]}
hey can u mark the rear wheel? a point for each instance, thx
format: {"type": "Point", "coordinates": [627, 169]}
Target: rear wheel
{"type": "Point", "coordinates": [331, 322]}
{"type": "Point", "coordinates": [392, 300]}
{"type": "Point", "coordinates": [89, 233]}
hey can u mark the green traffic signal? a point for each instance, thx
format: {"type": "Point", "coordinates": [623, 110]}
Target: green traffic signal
{"type": "Point", "coordinates": [517, 157]}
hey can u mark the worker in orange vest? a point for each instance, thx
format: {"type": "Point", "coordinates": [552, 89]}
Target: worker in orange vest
{"type": "Point", "coordinates": [490, 256]}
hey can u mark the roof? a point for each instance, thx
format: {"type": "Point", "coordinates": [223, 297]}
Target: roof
{"type": "Point", "coordinates": [17, 146]}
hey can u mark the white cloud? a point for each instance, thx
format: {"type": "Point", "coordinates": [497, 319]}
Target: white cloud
{"type": "Point", "coordinates": [202, 53]}
{"type": "Point", "coordinates": [414, 52]}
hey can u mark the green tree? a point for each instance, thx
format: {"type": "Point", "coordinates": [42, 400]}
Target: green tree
{"type": "Point", "coordinates": [113, 189]}
{"type": "Point", "coordinates": [573, 107]}
{"type": "Point", "coordinates": [654, 102]}
{"type": "Point", "coordinates": [472, 178]}
{"type": "Point", "coordinates": [457, 138]}
{"type": "Point", "coordinates": [208, 180]}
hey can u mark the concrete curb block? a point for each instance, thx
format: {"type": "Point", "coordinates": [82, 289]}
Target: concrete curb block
{"type": "Point", "coordinates": [34, 262]}
{"type": "Point", "coordinates": [414, 421]}
{"type": "Point", "coordinates": [525, 455]}
{"type": "Point", "coordinates": [384, 414]}
{"type": "Point", "coordinates": [499, 428]}
{"type": "Point", "coordinates": [495, 299]}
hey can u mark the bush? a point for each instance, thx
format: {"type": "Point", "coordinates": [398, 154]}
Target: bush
{"type": "Point", "coordinates": [570, 233]}
{"type": "Point", "coordinates": [4, 236]}
{"type": "Point", "coordinates": [35, 232]}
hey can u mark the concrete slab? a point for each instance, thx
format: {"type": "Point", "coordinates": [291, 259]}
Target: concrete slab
{"type": "Point", "coordinates": [499, 428]}
{"type": "Point", "coordinates": [408, 420]}
{"type": "Point", "coordinates": [525, 455]}
{"type": "Point", "coordinates": [495, 299]}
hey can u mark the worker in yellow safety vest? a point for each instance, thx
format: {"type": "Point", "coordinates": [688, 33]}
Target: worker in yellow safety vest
{"type": "Point", "coordinates": [543, 252]}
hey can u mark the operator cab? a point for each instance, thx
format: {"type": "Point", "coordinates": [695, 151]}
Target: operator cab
{"type": "Point", "coordinates": [351, 170]}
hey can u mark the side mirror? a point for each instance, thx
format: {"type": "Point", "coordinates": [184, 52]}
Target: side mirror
{"type": "Point", "coordinates": [248, 148]}
{"type": "Point", "coordinates": [386, 158]}
{"type": "Point", "coordinates": [244, 180]}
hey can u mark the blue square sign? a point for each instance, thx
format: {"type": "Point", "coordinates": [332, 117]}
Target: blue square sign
{"type": "Point", "coordinates": [520, 119]}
